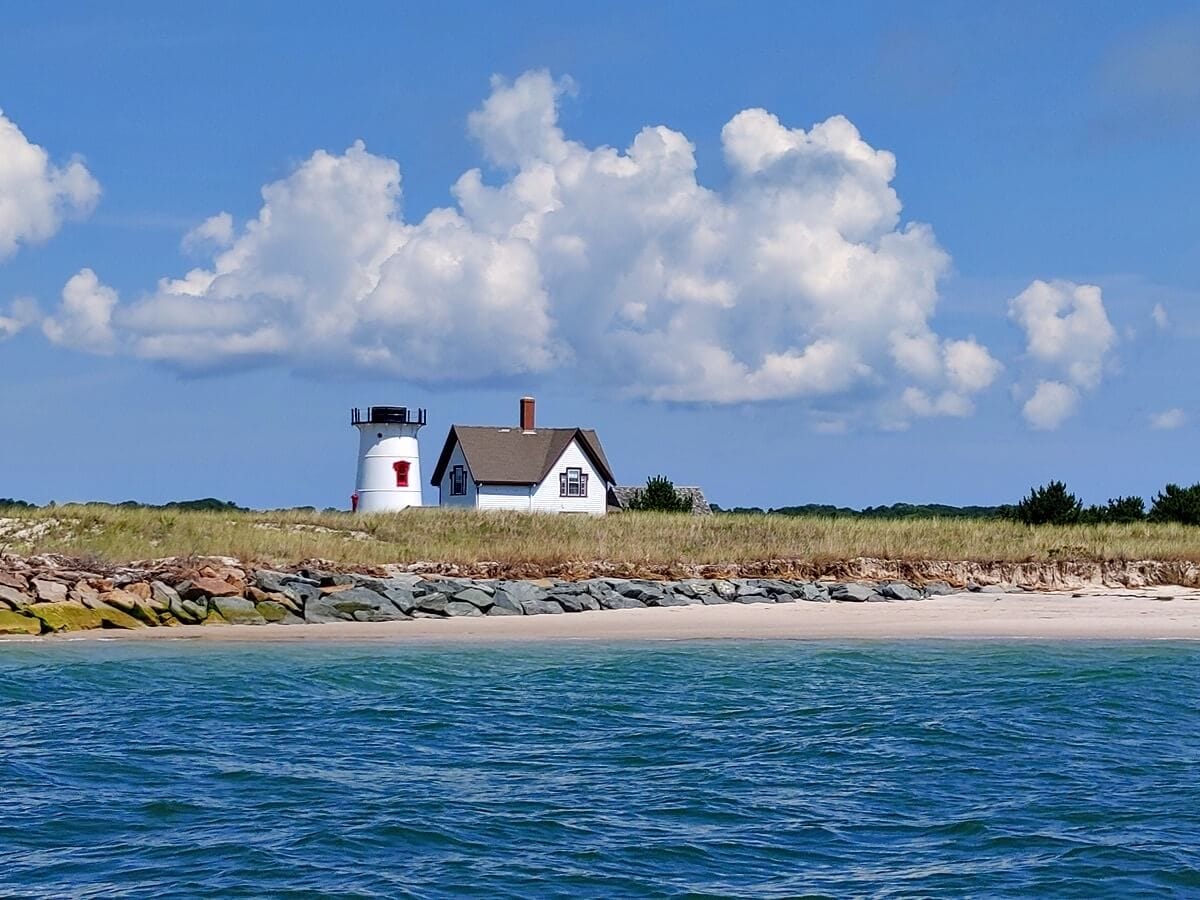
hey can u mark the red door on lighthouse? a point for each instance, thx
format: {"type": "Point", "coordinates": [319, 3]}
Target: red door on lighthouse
{"type": "Point", "coordinates": [401, 468]}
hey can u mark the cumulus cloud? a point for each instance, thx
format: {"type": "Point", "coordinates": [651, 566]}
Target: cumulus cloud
{"type": "Point", "coordinates": [215, 232]}
{"type": "Point", "coordinates": [1067, 331]}
{"type": "Point", "coordinates": [1159, 314]}
{"type": "Point", "coordinates": [21, 313]}
{"type": "Point", "coordinates": [84, 319]}
{"type": "Point", "coordinates": [35, 194]}
{"type": "Point", "coordinates": [1051, 404]}
{"type": "Point", "coordinates": [1168, 420]}
{"type": "Point", "coordinates": [797, 280]}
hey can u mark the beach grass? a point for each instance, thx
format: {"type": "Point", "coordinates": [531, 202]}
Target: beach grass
{"type": "Point", "coordinates": [117, 534]}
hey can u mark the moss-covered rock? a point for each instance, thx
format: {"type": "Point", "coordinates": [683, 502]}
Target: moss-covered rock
{"type": "Point", "coordinates": [18, 623]}
{"type": "Point", "coordinates": [115, 618]}
{"type": "Point", "coordinates": [238, 611]}
{"type": "Point", "coordinates": [67, 616]}
{"type": "Point", "coordinates": [271, 611]}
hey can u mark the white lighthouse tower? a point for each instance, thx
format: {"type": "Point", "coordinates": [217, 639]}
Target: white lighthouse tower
{"type": "Point", "coordinates": [389, 460]}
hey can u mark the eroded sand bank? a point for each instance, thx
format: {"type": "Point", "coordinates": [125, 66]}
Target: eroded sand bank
{"type": "Point", "coordinates": [1159, 614]}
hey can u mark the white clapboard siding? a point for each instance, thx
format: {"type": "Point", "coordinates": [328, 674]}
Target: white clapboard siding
{"type": "Point", "coordinates": [546, 495]}
{"type": "Point", "coordinates": [457, 459]}
{"type": "Point", "coordinates": [505, 496]}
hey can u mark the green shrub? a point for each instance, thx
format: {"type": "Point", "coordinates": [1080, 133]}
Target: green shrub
{"type": "Point", "coordinates": [659, 495]}
{"type": "Point", "coordinates": [1117, 510]}
{"type": "Point", "coordinates": [1177, 504]}
{"type": "Point", "coordinates": [1050, 505]}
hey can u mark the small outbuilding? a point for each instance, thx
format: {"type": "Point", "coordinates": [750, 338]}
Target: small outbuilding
{"type": "Point", "coordinates": [526, 468]}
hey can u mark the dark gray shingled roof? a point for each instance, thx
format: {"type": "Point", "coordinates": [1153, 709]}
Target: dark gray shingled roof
{"type": "Point", "coordinates": [513, 456]}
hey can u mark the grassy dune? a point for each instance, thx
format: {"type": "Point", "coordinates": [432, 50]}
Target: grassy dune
{"type": "Point", "coordinates": [434, 535]}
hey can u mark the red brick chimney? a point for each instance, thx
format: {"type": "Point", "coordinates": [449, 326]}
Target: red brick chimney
{"type": "Point", "coordinates": [527, 414]}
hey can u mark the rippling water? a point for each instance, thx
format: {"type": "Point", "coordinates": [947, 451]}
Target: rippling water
{"type": "Point", "coordinates": [764, 769]}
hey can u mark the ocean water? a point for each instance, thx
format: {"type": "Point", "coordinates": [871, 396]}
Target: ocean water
{"type": "Point", "coordinates": [182, 769]}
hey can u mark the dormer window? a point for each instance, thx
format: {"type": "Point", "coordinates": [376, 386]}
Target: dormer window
{"type": "Point", "coordinates": [458, 482]}
{"type": "Point", "coordinates": [572, 483]}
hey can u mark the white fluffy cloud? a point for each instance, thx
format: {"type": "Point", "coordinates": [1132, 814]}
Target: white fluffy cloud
{"type": "Point", "coordinates": [797, 280]}
{"type": "Point", "coordinates": [1051, 404]}
{"type": "Point", "coordinates": [84, 320]}
{"type": "Point", "coordinates": [1168, 419]}
{"type": "Point", "coordinates": [1067, 331]}
{"type": "Point", "coordinates": [35, 194]}
{"type": "Point", "coordinates": [21, 313]}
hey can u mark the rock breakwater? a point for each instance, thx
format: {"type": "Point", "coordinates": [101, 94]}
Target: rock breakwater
{"type": "Point", "coordinates": [46, 594]}
{"type": "Point", "coordinates": [43, 595]}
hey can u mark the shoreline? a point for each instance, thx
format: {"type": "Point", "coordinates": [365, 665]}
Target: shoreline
{"type": "Point", "coordinates": [1126, 615]}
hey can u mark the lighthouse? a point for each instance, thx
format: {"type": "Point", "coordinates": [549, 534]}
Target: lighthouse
{"type": "Point", "coordinates": [389, 460]}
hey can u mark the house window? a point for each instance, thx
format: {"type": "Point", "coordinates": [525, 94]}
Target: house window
{"type": "Point", "coordinates": [572, 483]}
{"type": "Point", "coordinates": [458, 482]}
{"type": "Point", "coordinates": [401, 469]}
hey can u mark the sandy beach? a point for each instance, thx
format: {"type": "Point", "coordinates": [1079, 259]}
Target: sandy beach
{"type": "Point", "coordinates": [1168, 613]}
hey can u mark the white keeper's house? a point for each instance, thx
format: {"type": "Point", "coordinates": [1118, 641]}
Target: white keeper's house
{"type": "Point", "coordinates": [523, 467]}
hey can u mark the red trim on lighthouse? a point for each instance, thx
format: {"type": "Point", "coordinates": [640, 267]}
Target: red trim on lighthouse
{"type": "Point", "coordinates": [401, 468]}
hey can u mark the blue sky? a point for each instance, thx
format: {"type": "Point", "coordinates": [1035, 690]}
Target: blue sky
{"type": "Point", "coordinates": [768, 326]}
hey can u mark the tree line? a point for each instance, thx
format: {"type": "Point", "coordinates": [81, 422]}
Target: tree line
{"type": "Point", "coordinates": [1053, 504]}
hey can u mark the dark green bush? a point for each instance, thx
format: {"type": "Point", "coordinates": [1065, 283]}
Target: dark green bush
{"type": "Point", "coordinates": [1177, 504]}
{"type": "Point", "coordinates": [1052, 504]}
{"type": "Point", "coordinates": [659, 495]}
{"type": "Point", "coordinates": [1117, 510]}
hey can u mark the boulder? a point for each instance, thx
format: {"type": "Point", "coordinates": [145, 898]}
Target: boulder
{"type": "Point", "coordinates": [504, 605]}
{"type": "Point", "coordinates": [208, 587]}
{"type": "Point", "coordinates": [712, 598]}
{"type": "Point", "coordinates": [352, 605]}
{"type": "Point", "coordinates": [273, 611]}
{"type": "Point", "coordinates": [851, 593]}
{"type": "Point", "coordinates": [540, 607]}
{"type": "Point", "coordinates": [575, 602]}
{"type": "Point", "coordinates": [814, 593]}
{"type": "Point", "coordinates": [130, 604]}
{"type": "Point", "coordinates": [14, 598]}
{"type": "Point", "coordinates": [898, 590]}
{"type": "Point", "coordinates": [938, 589]}
{"type": "Point", "coordinates": [648, 592]}
{"type": "Point", "coordinates": [401, 597]}
{"type": "Point", "coordinates": [434, 604]}
{"type": "Point", "coordinates": [462, 608]}
{"type": "Point", "coordinates": [476, 597]}
{"type": "Point", "coordinates": [726, 590]}
{"type": "Point", "coordinates": [17, 623]}
{"type": "Point", "coordinates": [693, 588]}
{"type": "Point", "coordinates": [613, 600]}
{"type": "Point", "coordinates": [189, 612]}
{"type": "Point", "coordinates": [238, 611]}
{"type": "Point", "coordinates": [67, 616]}
{"type": "Point", "coordinates": [272, 582]}
{"type": "Point", "coordinates": [995, 589]}
{"type": "Point", "coordinates": [49, 591]}
{"type": "Point", "coordinates": [520, 591]}
{"type": "Point", "coordinates": [257, 595]}
{"type": "Point", "coordinates": [138, 589]}
{"type": "Point", "coordinates": [302, 592]}
{"type": "Point", "coordinates": [84, 593]}
{"type": "Point", "coordinates": [507, 608]}
{"type": "Point", "coordinates": [112, 617]}
{"type": "Point", "coordinates": [13, 580]}
{"type": "Point", "coordinates": [752, 593]}
{"type": "Point", "coordinates": [162, 596]}
{"type": "Point", "coordinates": [666, 599]}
